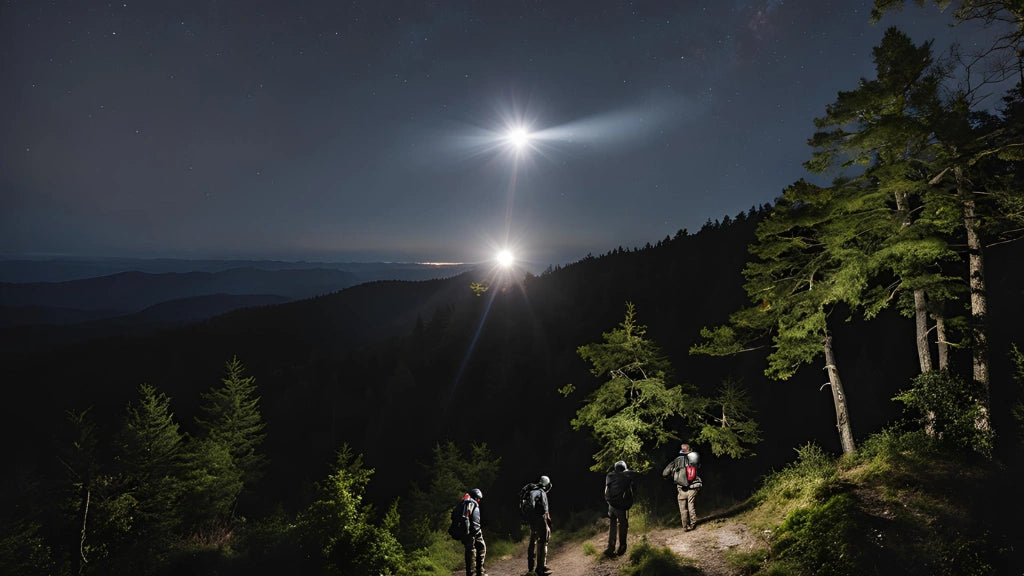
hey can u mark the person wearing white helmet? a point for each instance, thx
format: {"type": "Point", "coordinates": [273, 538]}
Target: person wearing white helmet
{"type": "Point", "coordinates": [618, 493]}
{"type": "Point", "coordinates": [540, 528]}
{"type": "Point", "coordinates": [683, 471]}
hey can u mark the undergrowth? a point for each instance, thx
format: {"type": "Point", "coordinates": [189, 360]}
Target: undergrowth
{"type": "Point", "coordinates": [903, 504]}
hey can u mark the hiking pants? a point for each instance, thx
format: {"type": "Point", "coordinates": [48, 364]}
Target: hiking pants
{"type": "Point", "coordinates": [540, 535]}
{"type": "Point", "coordinates": [687, 511]}
{"type": "Point", "coordinates": [619, 519]}
{"type": "Point", "coordinates": [475, 546]}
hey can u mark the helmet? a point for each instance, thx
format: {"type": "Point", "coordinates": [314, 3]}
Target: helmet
{"type": "Point", "coordinates": [692, 458]}
{"type": "Point", "coordinates": [545, 483]}
{"type": "Point", "coordinates": [620, 466]}
{"type": "Point", "coordinates": [476, 494]}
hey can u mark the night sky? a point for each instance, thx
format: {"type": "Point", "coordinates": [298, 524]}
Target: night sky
{"type": "Point", "coordinates": [365, 131]}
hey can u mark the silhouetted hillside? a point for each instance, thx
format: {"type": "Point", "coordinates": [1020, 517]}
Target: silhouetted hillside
{"type": "Point", "coordinates": [392, 368]}
{"type": "Point", "coordinates": [133, 291]}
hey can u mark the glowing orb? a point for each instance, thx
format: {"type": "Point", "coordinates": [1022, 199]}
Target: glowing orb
{"type": "Point", "coordinates": [518, 137]}
{"type": "Point", "coordinates": [505, 258]}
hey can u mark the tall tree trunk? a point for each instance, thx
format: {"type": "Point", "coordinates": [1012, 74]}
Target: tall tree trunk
{"type": "Point", "coordinates": [838, 398]}
{"type": "Point", "coordinates": [924, 353]}
{"type": "Point", "coordinates": [940, 337]}
{"type": "Point", "coordinates": [979, 302]}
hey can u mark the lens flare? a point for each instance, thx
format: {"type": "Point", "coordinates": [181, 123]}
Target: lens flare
{"type": "Point", "coordinates": [505, 259]}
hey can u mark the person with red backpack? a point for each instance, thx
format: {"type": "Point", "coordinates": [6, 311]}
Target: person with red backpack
{"type": "Point", "coordinates": [683, 471]}
{"type": "Point", "coordinates": [466, 527]}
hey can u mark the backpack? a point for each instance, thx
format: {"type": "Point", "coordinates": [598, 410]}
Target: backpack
{"type": "Point", "coordinates": [685, 472]}
{"type": "Point", "coordinates": [528, 502]}
{"type": "Point", "coordinates": [622, 501]}
{"type": "Point", "coordinates": [459, 526]}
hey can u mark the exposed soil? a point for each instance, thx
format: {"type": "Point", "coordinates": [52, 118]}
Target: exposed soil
{"type": "Point", "coordinates": [705, 547]}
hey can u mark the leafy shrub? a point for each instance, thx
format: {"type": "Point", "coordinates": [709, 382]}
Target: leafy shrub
{"type": "Point", "coordinates": [951, 406]}
{"type": "Point", "coordinates": [645, 560]}
{"type": "Point", "coordinates": [821, 539]}
{"type": "Point", "coordinates": [802, 481]}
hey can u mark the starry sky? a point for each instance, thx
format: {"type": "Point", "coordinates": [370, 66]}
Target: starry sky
{"type": "Point", "coordinates": [376, 130]}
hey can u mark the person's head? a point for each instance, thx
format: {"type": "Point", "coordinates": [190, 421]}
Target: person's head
{"type": "Point", "coordinates": [620, 466]}
{"type": "Point", "coordinates": [684, 448]}
{"type": "Point", "coordinates": [476, 494]}
{"type": "Point", "coordinates": [545, 483]}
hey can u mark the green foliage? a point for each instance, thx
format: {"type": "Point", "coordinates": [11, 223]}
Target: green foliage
{"type": "Point", "coordinates": [232, 419]}
{"type": "Point", "coordinates": [798, 484]}
{"type": "Point", "coordinates": [821, 539]}
{"type": "Point", "coordinates": [732, 424]}
{"type": "Point", "coordinates": [337, 527]}
{"type": "Point", "coordinates": [952, 406]}
{"type": "Point", "coordinates": [886, 507]}
{"type": "Point", "coordinates": [646, 560]}
{"type": "Point", "coordinates": [630, 411]}
{"type": "Point", "coordinates": [152, 462]}
{"type": "Point", "coordinates": [1017, 409]}
{"type": "Point", "coordinates": [226, 458]}
{"type": "Point", "coordinates": [450, 475]}
{"type": "Point", "coordinates": [23, 551]}
{"type": "Point", "coordinates": [211, 482]}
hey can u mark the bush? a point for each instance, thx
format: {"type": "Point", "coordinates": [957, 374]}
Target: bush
{"type": "Point", "coordinates": [645, 560]}
{"type": "Point", "coordinates": [950, 406]}
{"type": "Point", "coordinates": [821, 539]}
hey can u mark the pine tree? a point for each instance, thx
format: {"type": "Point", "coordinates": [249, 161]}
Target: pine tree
{"type": "Point", "coordinates": [232, 419]}
{"type": "Point", "coordinates": [630, 411]}
{"type": "Point", "coordinates": [151, 451]}
{"type": "Point", "coordinates": [338, 526]}
{"type": "Point", "coordinates": [796, 278]}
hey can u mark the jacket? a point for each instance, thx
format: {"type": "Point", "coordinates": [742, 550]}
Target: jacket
{"type": "Point", "coordinates": [618, 488]}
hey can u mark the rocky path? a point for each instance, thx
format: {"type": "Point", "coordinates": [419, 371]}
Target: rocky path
{"type": "Point", "coordinates": [705, 546]}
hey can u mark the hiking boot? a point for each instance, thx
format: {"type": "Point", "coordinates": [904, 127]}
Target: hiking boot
{"type": "Point", "coordinates": [543, 571]}
{"type": "Point", "coordinates": [609, 552]}
{"type": "Point", "coordinates": [620, 551]}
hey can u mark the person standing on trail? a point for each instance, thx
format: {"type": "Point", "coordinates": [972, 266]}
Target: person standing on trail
{"type": "Point", "coordinates": [473, 541]}
{"type": "Point", "coordinates": [618, 493]}
{"type": "Point", "coordinates": [540, 528]}
{"type": "Point", "coordinates": [683, 471]}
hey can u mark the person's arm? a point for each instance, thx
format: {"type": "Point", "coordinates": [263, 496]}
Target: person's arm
{"type": "Point", "coordinates": [474, 521]}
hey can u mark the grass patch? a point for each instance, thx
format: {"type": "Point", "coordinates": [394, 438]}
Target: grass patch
{"type": "Point", "coordinates": [646, 560]}
{"type": "Point", "coordinates": [746, 563]}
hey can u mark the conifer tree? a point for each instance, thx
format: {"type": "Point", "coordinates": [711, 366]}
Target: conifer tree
{"type": "Point", "coordinates": [151, 451]}
{"type": "Point", "coordinates": [631, 409]}
{"type": "Point", "coordinates": [885, 126]}
{"type": "Point", "coordinates": [232, 419]}
{"type": "Point", "coordinates": [338, 529]}
{"type": "Point", "coordinates": [795, 280]}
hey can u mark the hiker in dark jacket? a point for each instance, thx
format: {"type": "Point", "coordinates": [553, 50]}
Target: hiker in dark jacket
{"type": "Point", "coordinates": [618, 493]}
{"type": "Point", "coordinates": [540, 529]}
{"type": "Point", "coordinates": [474, 540]}
{"type": "Point", "coordinates": [686, 490]}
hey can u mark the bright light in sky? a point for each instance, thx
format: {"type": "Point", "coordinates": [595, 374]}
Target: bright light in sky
{"type": "Point", "coordinates": [505, 258]}
{"type": "Point", "coordinates": [519, 137]}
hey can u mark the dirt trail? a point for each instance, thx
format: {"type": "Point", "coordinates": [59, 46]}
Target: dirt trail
{"type": "Point", "coordinates": [706, 546]}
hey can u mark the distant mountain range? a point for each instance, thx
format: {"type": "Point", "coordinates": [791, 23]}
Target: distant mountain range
{"type": "Point", "coordinates": [180, 295]}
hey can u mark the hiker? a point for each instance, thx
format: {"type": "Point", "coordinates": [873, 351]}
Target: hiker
{"type": "Point", "coordinates": [683, 471]}
{"type": "Point", "coordinates": [540, 528]}
{"type": "Point", "coordinates": [618, 493]}
{"type": "Point", "coordinates": [473, 541]}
